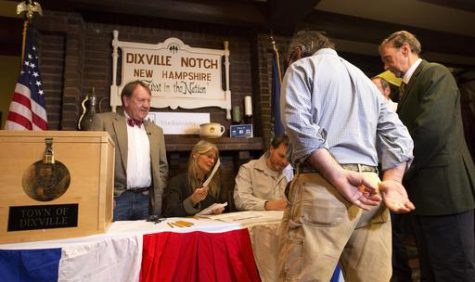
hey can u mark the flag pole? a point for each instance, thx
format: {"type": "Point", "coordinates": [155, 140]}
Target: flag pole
{"type": "Point", "coordinates": [277, 57]}
{"type": "Point", "coordinates": [277, 128]}
{"type": "Point", "coordinates": [23, 40]}
{"type": "Point", "coordinates": [29, 8]}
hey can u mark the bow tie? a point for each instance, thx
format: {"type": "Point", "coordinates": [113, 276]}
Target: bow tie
{"type": "Point", "coordinates": [133, 122]}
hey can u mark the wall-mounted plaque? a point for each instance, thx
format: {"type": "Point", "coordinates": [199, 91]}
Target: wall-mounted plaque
{"type": "Point", "coordinates": [178, 75]}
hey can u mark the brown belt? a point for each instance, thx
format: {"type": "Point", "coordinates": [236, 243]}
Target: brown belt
{"type": "Point", "coordinates": [360, 167]}
{"type": "Point", "coordinates": [352, 167]}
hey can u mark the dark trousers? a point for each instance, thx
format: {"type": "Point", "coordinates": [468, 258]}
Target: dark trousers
{"type": "Point", "coordinates": [446, 246]}
{"type": "Point", "coordinates": [401, 230]}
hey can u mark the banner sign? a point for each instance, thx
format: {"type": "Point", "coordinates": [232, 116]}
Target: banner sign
{"type": "Point", "coordinates": [179, 123]}
{"type": "Point", "coordinates": [177, 74]}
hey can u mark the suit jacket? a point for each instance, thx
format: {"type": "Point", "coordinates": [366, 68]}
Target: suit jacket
{"type": "Point", "coordinates": [115, 124]}
{"type": "Point", "coordinates": [441, 179]}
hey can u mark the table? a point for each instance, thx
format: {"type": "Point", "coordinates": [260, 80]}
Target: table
{"type": "Point", "coordinates": [263, 227]}
{"type": "Point", "coordinates": [209, 250]}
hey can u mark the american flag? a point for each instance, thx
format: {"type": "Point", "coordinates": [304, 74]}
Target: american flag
{"type": "Point", "coordinates": [27, 109]}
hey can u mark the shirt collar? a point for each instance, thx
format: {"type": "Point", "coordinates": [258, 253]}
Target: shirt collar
{"type": "Point", "coordinates": [325, 51]}
{"type": "Point", "coordinates": [410, 71]}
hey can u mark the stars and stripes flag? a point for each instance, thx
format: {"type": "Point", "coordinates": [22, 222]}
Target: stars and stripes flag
{"type": "Point", "coordinates": [27, 109]}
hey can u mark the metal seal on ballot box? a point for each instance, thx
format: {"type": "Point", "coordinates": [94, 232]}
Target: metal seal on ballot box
{"type": "Point", "coordinates": [48, 179]}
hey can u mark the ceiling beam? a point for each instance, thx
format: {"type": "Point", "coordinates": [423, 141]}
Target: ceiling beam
{"type": "Point", "coordinates": [286, 15]}
{"type": "Point", "coordinates": [232, 13]}
{"type": "Point", "coordinates": [370, 31]}
{"type": "Point", "coordinates": [464, 5]}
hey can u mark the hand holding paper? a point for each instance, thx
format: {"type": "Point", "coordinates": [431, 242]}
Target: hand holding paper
{"type": "Point", "coordinates": [199, 195]}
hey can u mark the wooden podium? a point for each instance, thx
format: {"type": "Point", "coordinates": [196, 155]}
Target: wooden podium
{"type": "Point", "coordinates": [79, 199]}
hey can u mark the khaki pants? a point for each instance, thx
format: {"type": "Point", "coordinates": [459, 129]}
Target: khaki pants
{"type": "Point", "coordinates": [320, 228]}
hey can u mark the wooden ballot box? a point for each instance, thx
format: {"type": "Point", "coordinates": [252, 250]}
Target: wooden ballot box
{"type": "Point", "coordinates": [55, 184]}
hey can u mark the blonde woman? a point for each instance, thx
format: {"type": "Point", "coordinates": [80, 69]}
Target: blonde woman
{"type": "Point", "coordinates": [186, 195]}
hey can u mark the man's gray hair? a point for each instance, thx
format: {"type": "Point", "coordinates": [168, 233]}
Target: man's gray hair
{"type": "Point", "coordinates": [309, 42]}
{"type": "Point", "coordinates": [398, 38]}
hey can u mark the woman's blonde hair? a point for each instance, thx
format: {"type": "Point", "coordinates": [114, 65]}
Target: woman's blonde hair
{"type": "Point", "coordinates": [195, 175]}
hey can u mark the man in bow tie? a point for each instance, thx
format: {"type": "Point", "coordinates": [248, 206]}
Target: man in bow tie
{"type": "Point", "coordinates": [441, 180]}
{"type": "Point", "coordinates": [141, 167]}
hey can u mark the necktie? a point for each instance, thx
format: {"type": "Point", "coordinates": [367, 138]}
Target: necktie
{"type": "Point", "coordinates": [402, 89]}
{"type": "Point", "coordinates": [133, 122]}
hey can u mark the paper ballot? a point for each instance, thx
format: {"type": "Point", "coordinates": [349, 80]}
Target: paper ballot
{"type": "Point", "coordinates": [210, 209]}
{"type": "Point", "coordinates": [215, 168]}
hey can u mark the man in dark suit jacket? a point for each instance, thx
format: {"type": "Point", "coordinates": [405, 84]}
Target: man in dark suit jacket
{"type": "Point", "coordinates": [141, 167]}
{"type": "Point", "coordinates": [441, 180]}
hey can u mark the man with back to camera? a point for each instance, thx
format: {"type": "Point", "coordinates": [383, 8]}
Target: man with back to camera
{"type": "Point", "coordinates": [141, 167]}
{"type": "Point", "coordinates": [441, 181]}
{"type": "Point", "coordinates": [340, 128]}
{"type": "Point", "coordinates": [260, 183]}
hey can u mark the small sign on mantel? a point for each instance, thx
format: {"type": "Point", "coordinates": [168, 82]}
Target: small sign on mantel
{"type": "Point", "coordinates": [241, 130]}
{"type": "Point", "coordinates": [179, 123]}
